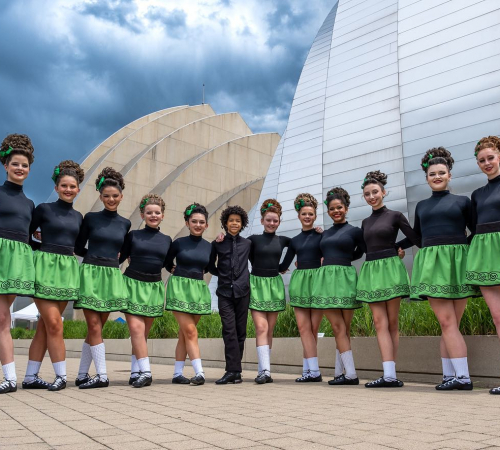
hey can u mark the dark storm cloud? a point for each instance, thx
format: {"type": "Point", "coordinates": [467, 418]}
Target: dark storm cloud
{"type": "Point", "coordinates": [72, 83]}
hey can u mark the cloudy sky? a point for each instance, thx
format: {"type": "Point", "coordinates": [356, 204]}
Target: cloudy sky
{"type": "Point", "coordinates": [73, 72]}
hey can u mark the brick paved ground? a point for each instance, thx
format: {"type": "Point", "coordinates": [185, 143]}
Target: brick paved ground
{"type": "Point", "coordinates": [282, 415]}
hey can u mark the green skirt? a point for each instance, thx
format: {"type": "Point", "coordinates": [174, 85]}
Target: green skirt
{"type": "Point", "coordinates": [382, 280]}
{"type": "Point", "coordinates": [439, 272]}
{"type": "Point", "coordinates": [102, 289]}
{"type": "Point", "coordinates": [301, 287]}
{"type": "Point", "coordinates": [57, 277]}
{"type": "Point", "coordinates": [188, 295]}
{"type": "Point", "coordinates": [335, 288]}
{"type": "Point", "coordinates": [483, 262]}
{"type": "Point", "coordinates": [144, 298]}
{"type": "Point", "coordinates": [17, 272]}
{"type": "Point", "coordinates": [267, 294]}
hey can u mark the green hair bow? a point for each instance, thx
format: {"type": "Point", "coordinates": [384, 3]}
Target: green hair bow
{"type": "Point", "coordinates": [101, 181]}
{"type": "Point", "coordinates": [363, 183]}
{"type": "Point", "coordinates": [299, 204]}
{"type": "Point", "coordinates": [263, 210]}
{"type": "Point", "coordinates": [144, 202]}
{"type": "Point", "coordinates": [426, 164]}
{"type": "Point", "coordinates": [6, 152]}
{"type": "Point", "coordinates": [190, 210]}
{"type": "Point", "coordinates": [476, 152]}
{"type": "Point", "coordinates": [57, 171]}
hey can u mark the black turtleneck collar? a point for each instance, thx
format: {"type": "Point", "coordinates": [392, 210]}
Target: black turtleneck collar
{"type": "Point", "coordinates": [495, 180]}
{"type": "Point", "coordinates": [308, 231]}
{"type": "Point", "coordinates": [195, 238]}
{"type": "Point", "coordinates": [13, 186]}
{"type": "Point", "coordinates": [382, 210]}
{"type": "Point", "coordinates": [265, 233]}
{"type": "Point", "coordinates": [109, 213]}
{"type": "Point", "coordinates": [340, 225]}
{"type": "Point", "coordinates": [440, 193]}
{"type": "Point", "coordinates": [151, 229]}
{"type": "Point", "coordinates": [63, 204]}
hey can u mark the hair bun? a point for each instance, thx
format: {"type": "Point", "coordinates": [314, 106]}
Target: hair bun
{"type": "Point", "coordinates": [71, 168]}
{"type": "Point", "coordinates": [152, 199]}
{"type": "Point", "coordinates": [434, 153]}
{"type": "Point", "coordinates": [338, 193]}
{"type": "Point", "coordinates": [17, 144]}
{"type": "Point", "coordinates": [108, 173]}
{"type": "Point", "coordinates": [378, 176]}
{"type": "Point", "coordinates": [305, 200]}
{"type": "Point", "coordinates": [195, 208]}
{"type": "Point", "coordinates": [270, 205]}
{"type": "Point", "coordinates": [486, 142]}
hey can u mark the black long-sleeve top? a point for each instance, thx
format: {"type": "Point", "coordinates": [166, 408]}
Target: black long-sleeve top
{"type": "Point", "coordinates": [443, 215]}
{"type": "Point", "coordinates": [342, 244]}
{"type": "Point", "coordinates": [59, 224]}
{"type": "Point", "coordinates": [266, 252]}
{"type": "Point", "coordinates": [306, 245]}
{"type": "Point", "coordinates": [486, 202]}
{"type": "Point", "coordinates": [380, 231]}
{"type": "Point", "coordinates": [16, 210]}
{"type": "Point", "coordinates": [105, 232]}
{"type": "Point", "coordinates": [228, 282]}
{"type": "Point", "coordinates": [147, 249]}
{"type": "Point", "coordinates": [192, 254]}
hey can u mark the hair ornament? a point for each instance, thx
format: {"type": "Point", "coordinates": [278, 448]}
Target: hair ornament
{"type": "Point", "coordinates": [299, 204]}
{"type": "Point", "coordinates": [101, 181]}
{"type": "Point", "coordinates": [263, 210]}
{"type": "Point", "coordinates": [426, 164]}
{"type": "Point", "coordinates": [363, 183]}
{"type": "Point", "coordinates": [144, 202]}
{"type": "Point", "coordinates": [57, 171]}
{"type": "Point", "coordinates": [326, 203]}
{"type": "Point", "coordinates": [189, 211]}
{"type": "Point", "coordinates": [6, 152]}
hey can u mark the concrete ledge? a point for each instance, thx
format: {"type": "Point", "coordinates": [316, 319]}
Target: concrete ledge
{"type": "Point", "coordinates": [419, 359]}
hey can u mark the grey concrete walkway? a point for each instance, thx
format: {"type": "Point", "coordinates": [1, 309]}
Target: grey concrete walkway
{"type": "Point", "coordinates": [282, 415]}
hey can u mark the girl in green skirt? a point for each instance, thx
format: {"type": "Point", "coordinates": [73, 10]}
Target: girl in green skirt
{"type": "Point", "coordinates": [439, 267]}
{"type": "Point", "coordinates": [308, 312]}
{"type": "Point", "coordinates": [57, 275]}
{"type": "Point", "coordinates": [335, 289]}
{"type": "Point", "coordinates": [17, 273]}
{"type": "Point", "coordinates": [383, 279]}
{"type": "Point", "coordinates": [483, 262]}
{"type": "Point", "coordinates": [102, 289]}
{"type": "Point", "coordinates": [187, 293]}
{"type": "Point", "coordinates": [147, 249]}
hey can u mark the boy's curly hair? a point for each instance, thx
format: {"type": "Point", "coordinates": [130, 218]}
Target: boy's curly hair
{"type": "Point", "coordinates": [237, 210]}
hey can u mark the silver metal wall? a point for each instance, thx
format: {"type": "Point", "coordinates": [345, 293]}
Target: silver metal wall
{"type": "Point", "coordinates": [384, 81]}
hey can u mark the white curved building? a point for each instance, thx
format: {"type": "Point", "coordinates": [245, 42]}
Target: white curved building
{"type": "Point", "coordinates": [384, 81]}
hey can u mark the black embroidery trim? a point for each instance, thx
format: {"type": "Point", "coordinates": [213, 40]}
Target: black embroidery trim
{"type": "Point", "coordinates": [17, 284]}
{"type": "Point", "coordinates": [93, 303]}
{"type": "Point", "coordinates": [269, 305]}
{"type": "Point", "coordinates": [60, 293]}
{"type": "Point", "coordinates": [400, 290]}
{"type": "Point", "coordinates": [430, 289]}
{"type": "Point", "coordinates": [189, 307]}
{"type": "Point", "coordinates": [325, 302]}
{"type": "Point", "coordinates": [482, 276]}
{"type": "Point", "coordinates": [144, 310]}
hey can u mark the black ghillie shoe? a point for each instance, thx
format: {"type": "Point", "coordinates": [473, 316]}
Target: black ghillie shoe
{"type": "Point", "coordinates": [37, 383]}
{"type": "Point", "coordinates": [263, 377]}
{"type": "Point", "coordinates": [95, 382]}
{"type": "Point", "coordinates": [230, 377]}
{"type": "Point", "coordinates": [7, 386]}
{"type": "Point", "coordinates": [144, 379]}
{"type": "Point", "coordinates": [495, 391]}
{"type": "Point", "coordinates": [304, 378]}
{"type": "Point", "coordinates": [80, 381]}
{"type": "Point", "coordinates": [133, 378]}
{"type": "Point", "coordinates": [342, 380]}
{"type": "Point", "coordinates": [454, 384]}
{"type": "Point", "coordinates": [180, 379]}
{"type": "Point", "coordinates": [198, 380]}
{"type": "Point", "coordinates": [58, 385]}
{"type": "Point", "coordinates": [382, 382]}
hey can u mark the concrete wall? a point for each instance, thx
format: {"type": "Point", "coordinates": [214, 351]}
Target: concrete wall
{"type": "Point", "coordinates": [418, 361]}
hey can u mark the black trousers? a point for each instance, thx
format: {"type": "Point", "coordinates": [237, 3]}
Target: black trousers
{"type": "Point", "coordinates": [234, 314]}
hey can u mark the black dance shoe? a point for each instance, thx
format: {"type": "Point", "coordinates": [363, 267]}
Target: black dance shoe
{"type": "Point", "coordinates": [180, 379]}
{"type": "Point", "coordinates": [37, 383]}
{"type": "Point", "coordinates": [263, 377]}
{"type": "Point", "coordinates": [495, 391]}
{"type": "Point", "coordinates": [454, 384]}
{"type": "Point", "coordinates": [304, 378]}
{"type": "Point", "coordinates": [132, 378]}
{"type": "Point", "coordinates": [198, 380]}
{"type": "Point", "coordinates": [230, 377]}
{"type": "Point", "coordinates": [58, 385]}
{"type": "Point", "coordinates": [83, 380]}
{"type": "Point", "coordinates": [382, 382]}
{"type": "Point", "coordinates": [144, 379]}
{"type": "Point", "coordinates": [344, 381]}
{"type": "Point", "coordinates": [7, 386]}
{"type": "Point", "coordinates": [95, 382]}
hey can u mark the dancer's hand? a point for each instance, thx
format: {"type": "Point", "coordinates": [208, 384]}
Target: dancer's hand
{"type": "Point", "coordinates": [318, 230]}
{"type": "Point", "coordinates": [220, 237]}
{"type": "Point", "coordinates": [401, 253]}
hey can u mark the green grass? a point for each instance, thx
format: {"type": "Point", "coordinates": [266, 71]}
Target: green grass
{"type": "Point", "coordinates": [415, 319]}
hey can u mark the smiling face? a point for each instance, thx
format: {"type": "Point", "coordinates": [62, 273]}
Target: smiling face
{"type": "Point", "coordinates": [307, 216]}
{"type": "Point", "coordinates": [337, 211]}
{"type": "Point", "coordinates": [111, 198]}
{"type": "Point", "coordinates": [67, 188]}
{"type": "Point", "coordinates": [374, 195]}
{"type": "Point", "coordinates": [234, 224]}
{"type": "Point", "coordinates": [271, 222]}
{"type": "Point", "coordinates": [18, 169]}
{"type": "Point", "coordinates": [488, 161]}
{"type": "Point", "coordinates": [197, 224]}
{"type": "Point", "coordinates": [438, 177]}
{"type": "Point", "coordinates": [152, 215]}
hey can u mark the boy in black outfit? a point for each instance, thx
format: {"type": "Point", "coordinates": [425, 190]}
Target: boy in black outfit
{"type": "Point", "coordinates": [233, 289]}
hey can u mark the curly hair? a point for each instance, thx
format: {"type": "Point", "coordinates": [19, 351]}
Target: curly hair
{"type": "Point", "coordinates": [152, 199]}
{"type": "Point", "coordinates": [195, 208]}
{"type": "Point", "coordinates": [270, 205]}
{"type": "Point", "coordinates": [375, 177]}
{"type": "Point", "coordinates": [305, 200]}
{"type": "Point", "coordinates": [437, 155]}
{"type": "Point", "coordinates": [236, 210]}
{"type": "Point", "coordinates": [109, 177]}
{"type": "Point", "coordinates": [483, 143]}
{"type": "Point", "coordinates": [338, 193]}
{"type": "Point", "coordinates": [16, 144]}
{"type": "Point", "coordinates": [70, 169]}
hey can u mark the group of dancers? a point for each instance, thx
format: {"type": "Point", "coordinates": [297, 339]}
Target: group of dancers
{"type": "Point", "coordinates": [451, 266]}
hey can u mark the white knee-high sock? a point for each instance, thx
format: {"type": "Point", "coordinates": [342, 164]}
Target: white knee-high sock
{"type": "Point", "coordinates": [313, 366]}
{"type": "Point", "coordinates": [305, 366]}
{"type": "Point", "coordinates": [99, 357]}
{"type": "Point", "coordinates": [85, 361]}
{"type": "Point", "coordinates": [198, 369]}
{"type": "Point", "coordinates": [389, 370]}
{"type": "Point", "coordinates": [339, 366]}
{"type": "Point", "coordinates": [144, 365]}
{"type": "Point", "coordinates": [448, 370]}
{"type": "Point", "coordinates": [32, 369]}
{"type": "Point", "coordinates": [134, 367]}
{"type": "Point", "coordinates": [461, 369]}
{"type": "Point", "coordinates": [264, 358]}
{"type": "Point", "coordinates": [60, 369]}
{"type": "Point", "coordinates": [348, 361]}
{"type": "Point", "coordinates": [178, 368]}
{"type": "Point", "coordinates": [9, 372]}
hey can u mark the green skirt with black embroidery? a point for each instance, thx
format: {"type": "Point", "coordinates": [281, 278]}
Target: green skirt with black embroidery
{"type": "Point", "coordinates": [483, 261]}
{"type": "Point", "coordinates": [144, 298]}
{"type": "Point", "coordinates": [17, 271]}
{"type": "Point", "coordinates": [335, 288]}
{"type": "Point", "coordinates": [439, 272]}
{"type": "Point", "coordinates": [382, 280]}
{"type": "Point", "coordinates": [188, 295]}
{"type": "Point", "coordinates": [267, 294]}
{"type": "Point", "coordinates": [301, 287]}
{"type": "Point", "coordinates": [57, 277]}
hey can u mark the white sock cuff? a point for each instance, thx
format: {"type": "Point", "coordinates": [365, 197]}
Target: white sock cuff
{"type": "Point", "coordinates": [9, 371]}
{"type": "Point", "coordinates": [389, 370]}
